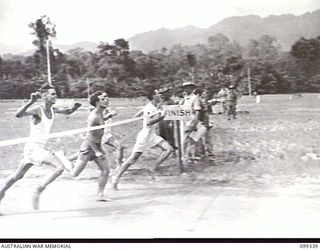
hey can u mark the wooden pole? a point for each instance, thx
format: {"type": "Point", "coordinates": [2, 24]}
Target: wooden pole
{"type": "Point", "coordinates": [192, 74]}
{"type": "Point", "coordinates": [249, 82]}
{"type": "Point", "coordinates": [48, 61]}
{"type": "Point", "coordinates": [88, 88]}
{"type": "Point", "coordinates": [179, 144]}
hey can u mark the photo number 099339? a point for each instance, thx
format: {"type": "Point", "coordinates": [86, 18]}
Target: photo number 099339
{"type": "Point", "coordinates": [306, 246]}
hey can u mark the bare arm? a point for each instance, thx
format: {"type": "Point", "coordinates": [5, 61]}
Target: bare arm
{"type": "Point", "coordinates": [109, 115]}
{"type": "Point", "coordinates": [68, 110]}
{"type": "Point", "coordinates": [138, 114]}
{"type": "Point", "coordinates": [154, 119]}
{"type": "Point", "coordinates": [25, 111]}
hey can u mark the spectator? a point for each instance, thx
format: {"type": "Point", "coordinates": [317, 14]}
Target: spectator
{"type": "Point", "coordinates": [166, 128]}
{"type": "Point", "coordinates": [232, 98]}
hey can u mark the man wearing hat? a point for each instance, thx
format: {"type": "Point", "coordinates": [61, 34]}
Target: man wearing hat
{"type": "Point", "coordinates": [231, 102]}
{"type": "Point", "coordinates": [222, 94]}
{"type": "Point", "coordinates": [193, 102]}
{"type": "Point", "coordinates": [166, 128]}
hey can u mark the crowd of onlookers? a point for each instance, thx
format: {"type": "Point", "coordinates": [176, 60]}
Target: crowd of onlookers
{"type": "Point", "coordinates": [197, 141]}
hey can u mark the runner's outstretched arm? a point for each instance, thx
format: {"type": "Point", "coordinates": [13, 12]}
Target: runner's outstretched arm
{"type": "Point", "coordinates": [68, 110]}
{"type": "Point", "coordinates": [154, 120]}
{"type": "Point", "coordinates": [109, 115]}
{"type": "Point", "coordinates": [140, 113]}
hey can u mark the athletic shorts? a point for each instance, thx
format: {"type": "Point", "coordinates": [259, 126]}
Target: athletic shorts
{"type": "Point", "coordinates": [146, 140]}
{"type": "Point", "coordinates": [86, 152]}
{"type": "Point", "coordinates": [35, 153]}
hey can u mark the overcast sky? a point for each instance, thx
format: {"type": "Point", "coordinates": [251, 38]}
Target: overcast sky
{"type": "Point", "coordinates": [106, 20]}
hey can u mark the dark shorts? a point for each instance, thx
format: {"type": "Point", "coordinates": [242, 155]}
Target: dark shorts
{"type": "Point", "coordinates": [87, 153]}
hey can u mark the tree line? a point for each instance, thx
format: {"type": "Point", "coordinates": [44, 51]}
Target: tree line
{"type": "Point", "coordinates": [127, 73]}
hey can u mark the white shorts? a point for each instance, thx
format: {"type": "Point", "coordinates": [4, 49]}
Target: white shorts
{"type": "Point", "coordinates": [146, 140]}
{"type": "Point", "coordinates": [35, 153]}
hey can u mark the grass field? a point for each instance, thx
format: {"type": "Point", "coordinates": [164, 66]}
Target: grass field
{"type": "Point", "coordinates": [266, 169]}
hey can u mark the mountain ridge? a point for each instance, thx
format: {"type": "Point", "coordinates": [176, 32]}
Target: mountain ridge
{"type": "Point", "coordinates": [287, 28]}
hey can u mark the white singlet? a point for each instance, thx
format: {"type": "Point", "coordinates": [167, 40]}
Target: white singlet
{"type": "Point", "coordinates": [147, 137]}
{"type": "Point", "coordinates": [34, 150]}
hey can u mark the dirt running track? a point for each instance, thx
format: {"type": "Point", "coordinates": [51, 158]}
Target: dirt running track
{"type": "Point", "coordinates": [179, 206]}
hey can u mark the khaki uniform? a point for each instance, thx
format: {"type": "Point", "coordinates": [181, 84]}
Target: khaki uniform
{"type": "Point", "coordinates": [222, 94]}
{"type": "Point", "coordinates": [232, 99]}
{"type": "Point", "coordinates": [166, 128]}
{"type": "Point", "coordinates": [207, 146]}
{"type": "Point", "coordinates": [191, 101]}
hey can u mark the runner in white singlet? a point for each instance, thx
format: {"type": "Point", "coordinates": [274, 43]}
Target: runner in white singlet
{"type": "Point", "coordinates": [35, 152]}
{"type": "Point", "coordinates": [146, 139]}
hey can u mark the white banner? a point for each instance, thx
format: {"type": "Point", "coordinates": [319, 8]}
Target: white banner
{"type": "Point", "coordinates": [69, 132]}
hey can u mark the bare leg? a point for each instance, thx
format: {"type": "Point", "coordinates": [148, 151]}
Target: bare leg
{"type": "Point", "coordinates": [54, 161]}
{"type": "Point", "coordinates": [104, 168]}
{"type": "Point", "coordinates": [124, 166]}
{"type": "Point", "coordinates": [113, 142]}
{"type": "Point", "coordinates": [78, 167]}
{"type": "Point", "coordinates": [14, 177]}
{"type": "Point", "coordinates": [74, 169]}
{"type": "Point", "coordinates": [73, 157]}
{"type": "Point", "coordinates": [167, 149]}
{"type": "Point", "coordinates": [67, 162]}
{"type": "Point", "coordinates": [120, 154]}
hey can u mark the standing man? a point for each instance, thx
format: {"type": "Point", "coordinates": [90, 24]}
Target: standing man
{"type": "Point", "coordinates": [166, 128]}
{"type": "Point", "coordinates": [232, 99]}
{"type": "Point", "coordinates": [35, 151]}
{"type": "Point", "coordinates": [222, 95]}
{"type": "Point", "coordinates": [192, 101]}
{"type": "Point", "coordinates": [146, 139]}
{"type": "Point", "coordinates": [206, 141]}
{"type": "Point", "coordinates": [91, 148]}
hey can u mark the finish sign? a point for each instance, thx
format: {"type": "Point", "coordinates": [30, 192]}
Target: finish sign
{"type": "Point", "coordinates": [177, 112]}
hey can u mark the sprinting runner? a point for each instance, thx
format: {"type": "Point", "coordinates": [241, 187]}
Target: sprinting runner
{"type": "Point", "coordinates": [108, 139]}
{"type": "Point", "coordinates": [146, 139]}
{"type": "Point", "coordinates": [91, 148]}
{"type": "Point", "coordinates": [35, 152]}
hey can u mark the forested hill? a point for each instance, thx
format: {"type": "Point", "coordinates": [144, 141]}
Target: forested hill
{"type": "Point", "coordinates": [285, 28]}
